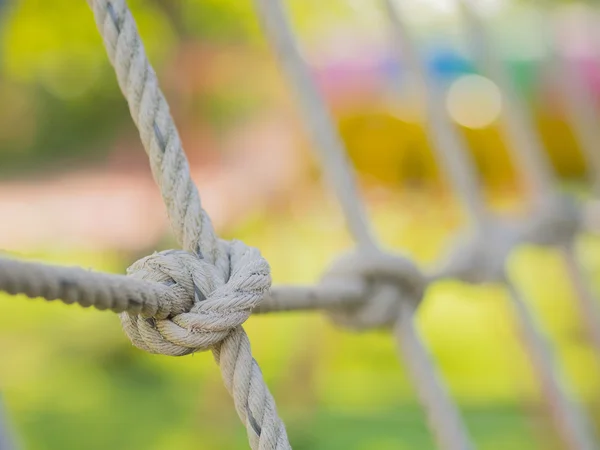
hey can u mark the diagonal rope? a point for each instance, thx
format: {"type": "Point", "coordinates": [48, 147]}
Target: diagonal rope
{"type": "Point", "coordinates": [525, 145]}
{"type": "Point", "coordinates": [452, 152]}
{"type": "Point", "coordinates": [582, 114]}
{"type": "Point", "coordinates": [331, 151]}
{"type": "Point", "coordinates": [526, 149]}
{"type": "Point", "coordinates": [444, 417]}
{"type": "Point", "coordinates": [445, 139]}
{"type": "Point", "coordinates": [574, 426]}
{"type": "Point", "coordinates": [191, 224]}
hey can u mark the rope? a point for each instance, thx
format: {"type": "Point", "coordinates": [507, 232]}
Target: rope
{"type": "Point", "coordinates": [334, 159]}
{"type": "Point", "coordinates": [445, 140]}
{"type": "Point", "coordinates": [524, 142]}
{"type": "Point", "coordinates": [392, 288]}
{"type": "Point", "coordinates": [482, 258]}
{"type": "Point", "coordinates": [581, 115]}
{"type": "Point", "coordinates": [178, 302]}
{"type": "Point", "coordinates": [571, 421]}
{"type": "Point", "coordinates": [557, 218]}
{"type": "Point", "coordinates": [218, 268]}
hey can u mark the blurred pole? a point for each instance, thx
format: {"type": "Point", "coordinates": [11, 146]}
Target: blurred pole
{"type": "Point", "coordinates": [524, 143]}
{"type": "Point", "coordinates": [573, 425]}
{"type": "Point", "coordinates": [447, 425]}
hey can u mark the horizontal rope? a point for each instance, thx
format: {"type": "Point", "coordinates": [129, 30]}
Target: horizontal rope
{"type": "Point", "coordinates": [121, 293]}
{"type": "Point", "coordinates": [87, 288]}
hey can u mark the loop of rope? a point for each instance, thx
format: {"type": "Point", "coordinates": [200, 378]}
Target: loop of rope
{"type": "Point", "coordinates": [392, 280]}
{"type": "Point", "coordinates": [233, 278]}
{"type": "Point", "coordinates": [443, 416]}
{"type": "Point", "coordinates": [181, 301]}
{"type": "Point", "coordinates": [482, 257]}
{"type": "Point", "coordinates": [209, 306]}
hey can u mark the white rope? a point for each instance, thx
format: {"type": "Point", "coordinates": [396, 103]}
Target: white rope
{"type": "Point", "coordinates": [444, 417]}
{"type": "Point", "coordinates": [224, 280]}
{"type": "Point", "coordinates": [573, 425]}
{"type": "Point", "coordinates": [589, 308]}
{"type": "Point", "coordinates": [120, 293]}
{"type": "Point", "coordinates": [334, 159]}
{"type": "Point", "coordinates": [524, 142]}
{"type": "Point", "coordinates": [447, 143]}
{"type": "Point", "coordinates": [557, 218]}
{"type": "Point", "coordinates": [384, 305]}
{"type": "Point", "coordinates": [178, 302]}
{"type": "Point", "coordinates": [482, 258]}
{"type": "Point", "coordinates": [578, 100]}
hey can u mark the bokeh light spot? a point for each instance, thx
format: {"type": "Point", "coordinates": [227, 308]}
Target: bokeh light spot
{"type": "Point", "coordinates": [474, 101]}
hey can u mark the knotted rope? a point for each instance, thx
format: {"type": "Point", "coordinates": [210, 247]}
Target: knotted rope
{"type": "Point", "coordinates": [182, 301]}
{"type": "Point", "coordinates": [394, 281]}
{"type": "Point", "coordinates": [526, 149]}
{"type": "Point", "coordinates": [218, 283]}
{"type": "Point", "coordinates": [481, 257]}
{"type": "Point", "coordinates": [398, 292]}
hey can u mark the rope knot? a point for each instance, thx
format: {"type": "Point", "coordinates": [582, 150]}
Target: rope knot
{"type": "Point", "coordinates": [481, 258]}
{"type": "Point", "coordinates": [208, 301]}
{"type": "Point", "coordinates": [556, 221]}
{"type": "Point", "coordinates": [391, 282]}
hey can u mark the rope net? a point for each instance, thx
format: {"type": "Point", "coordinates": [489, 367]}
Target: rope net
{"type": "Point", "coordinates": [177, 302]}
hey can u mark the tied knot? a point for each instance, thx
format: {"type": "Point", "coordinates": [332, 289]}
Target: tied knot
{"type": "Point", "coordinates": [392, 281]}
{"type": "Point", "coordinates": [556, 221]}
{"type": "Point", "coordinates": [481, 258]}
{"type": "Point", "coordinates": [208, 302]}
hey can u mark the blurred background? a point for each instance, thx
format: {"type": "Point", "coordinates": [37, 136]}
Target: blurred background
{"type": "Point", "coordinates": [76, 189]}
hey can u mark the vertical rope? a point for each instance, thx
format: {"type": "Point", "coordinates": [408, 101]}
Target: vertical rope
{"type": "Point", "coordinates": [191, 224]}
{"type": "Point", "coordinates": [330, 149]}
{"type": "Point", "coordinates": [573, 425]}
{"type": "Point", "coordinates": [524, 142]}
{"type": "Point", "coordinates": [447, 424]}
{"type": "Point", "coordinates": [589, 308]}
{"type": "Point", "coordinates": [443, 416]}
{"type": "Point", "coordinates": [578, 101]}
{"type": "Point", "coordinates": [528, 152]}
{"type": "Point", "coordinates": [447, 143]}
{"type": "Point", "coordinates": [452, 152]}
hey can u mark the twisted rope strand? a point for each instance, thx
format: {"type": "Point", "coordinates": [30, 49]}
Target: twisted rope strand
{"type": "Point", "coordinates": [117, 293]}
{"type": "Point", "coordinates": [443, 416]}
{"type": "Point", "coordinates": [577, 97]}
{"type": "Point", "coordinates": [588, 306]}
{"type": "Point", "coordinates": [120, 293]}
{"type": "Point", "coordinates": [158, 133]}
{"type": "Point", "coordinates": [447, 143]}
{"type": "Point", "coordinates": [339, 171]}
{"type": "Point", "coordinates": [497, 243]}
{"type": "Point", "coordinates": [524, 142]}
{"type": "Point", "coordinates": [191, 224]}
{"type": "Point", "coordinates": [329, 146]}
{"type": "Point", "coordinates": [538, 168]}
{"type": "Point", "coordinates": [574, 426]}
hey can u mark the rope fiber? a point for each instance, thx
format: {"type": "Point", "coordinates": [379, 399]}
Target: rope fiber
{"type": "Point", "coordinates": [197, 298]}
